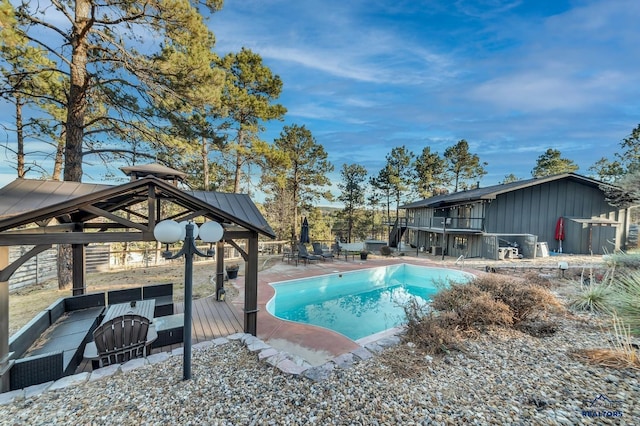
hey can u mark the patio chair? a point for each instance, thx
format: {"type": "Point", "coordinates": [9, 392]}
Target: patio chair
{"type": "Point", "coordinates": [121, 339]}
{"type": "Point", "coordinates": [317, 250]}
{"type": "Point", "coordinates": [304, 254]}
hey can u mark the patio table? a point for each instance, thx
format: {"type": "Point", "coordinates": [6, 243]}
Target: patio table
{"type": "Point", "coordinates": [144, 308]}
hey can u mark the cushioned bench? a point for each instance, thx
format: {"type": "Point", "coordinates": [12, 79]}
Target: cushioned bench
{"type": "Point", "coordinates": [125, 295]}
{"type": "Point", "coordinates": [163, 295]}
{"type": "Point", "coordinates": [169, 329]}
{"type": "Point", "coordinates": [50, 346]}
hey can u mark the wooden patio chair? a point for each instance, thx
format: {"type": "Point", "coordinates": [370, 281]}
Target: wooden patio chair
{"type": "Point", "coordinates": [122, 338]}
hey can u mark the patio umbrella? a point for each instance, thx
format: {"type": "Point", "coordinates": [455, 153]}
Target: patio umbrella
{"type": "Point", "coordinates": [559, 235]}
{"type": "Point", "coordinates": [304, 232]}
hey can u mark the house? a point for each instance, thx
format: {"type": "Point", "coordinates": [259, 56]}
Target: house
{"type": "Point", "coordinates": [521, 219]}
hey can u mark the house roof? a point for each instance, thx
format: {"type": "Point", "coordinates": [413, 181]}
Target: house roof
{"type": "Point", "coordinates": [491, 192]}
{"type": "Point", "coordinates": [25, 201]}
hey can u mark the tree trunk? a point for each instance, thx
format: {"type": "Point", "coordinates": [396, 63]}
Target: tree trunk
{"type": "Point", "coordinates": [79, 85]}
{"type": "Point", "coordinates": [205, 164]}
{"type": "Point", "coordinates": [74, 132]}
{"type": "Point", "coordinates": [20, 136]}
{"type": "Point", "coordinates": [295, 205]}
{"type": "Point", "coordinates": [65, 266]}
{"type": "Point", "coordinates": [57, 164]}
{"type": "Point", "coordinates": [238, 176]}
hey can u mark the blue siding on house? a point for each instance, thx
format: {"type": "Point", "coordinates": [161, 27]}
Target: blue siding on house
{"type": "Point", "coordinates": [535, 210]}
{"type": "Point", "coordinates": [533, 207]}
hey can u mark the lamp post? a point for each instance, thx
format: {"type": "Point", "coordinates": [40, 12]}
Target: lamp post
{"type": "Point", "coordinates": [169, 231]}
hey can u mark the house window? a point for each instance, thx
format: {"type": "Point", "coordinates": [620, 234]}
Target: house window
{"type": "Point", "coordinates": [460, 242]}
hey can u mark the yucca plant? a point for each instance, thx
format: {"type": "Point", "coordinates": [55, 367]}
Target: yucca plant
{"type": "Point", "coordinates": [625, 297]}
{"type": "Point", "coordinates": [593, 296]}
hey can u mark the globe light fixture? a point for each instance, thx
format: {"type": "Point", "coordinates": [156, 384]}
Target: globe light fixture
{"type": "Point", "coordinates": [211, 232]}
{"type": "Point", "coordinates": [167, 231]}
{"type": "Point", "coordinates": [170, 231]}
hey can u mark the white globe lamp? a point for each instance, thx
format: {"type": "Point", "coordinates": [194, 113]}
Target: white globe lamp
{"type": "Point", "coordinates": [167, 231]}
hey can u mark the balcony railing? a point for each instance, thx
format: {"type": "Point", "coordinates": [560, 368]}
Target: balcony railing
{"type": "Point", "coordinates": [470, 223]}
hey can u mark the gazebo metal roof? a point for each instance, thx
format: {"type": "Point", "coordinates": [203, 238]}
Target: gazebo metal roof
{"type": "Point", "coordinates": [26, 201]}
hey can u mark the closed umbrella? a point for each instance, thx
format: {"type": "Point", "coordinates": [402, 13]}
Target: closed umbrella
{"type": "Point", "coordinates": [304, 232]}
{"type": "Point", "coordinates": [560, 233]}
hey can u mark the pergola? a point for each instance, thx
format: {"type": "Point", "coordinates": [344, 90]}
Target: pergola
{"type": "Point", "coordinates": [42, 213]}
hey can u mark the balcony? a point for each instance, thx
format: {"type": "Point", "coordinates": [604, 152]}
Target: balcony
{"type": "Point", "coordinates": [452, 224]}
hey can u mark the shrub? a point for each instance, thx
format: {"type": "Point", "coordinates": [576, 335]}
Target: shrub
{"type": "Point", "coordinates": [469, 307]}
{"type": "Point", "coordinates": [428, 331]}
{"type": "Point", "coordinates": [525, 301]}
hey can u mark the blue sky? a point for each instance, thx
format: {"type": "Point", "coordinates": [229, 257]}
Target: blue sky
{"type": "Point", "coordinates": [513, 78]}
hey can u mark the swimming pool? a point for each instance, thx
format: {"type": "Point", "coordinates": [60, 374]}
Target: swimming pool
{"type": "Point", "coordinates": [359, 303]}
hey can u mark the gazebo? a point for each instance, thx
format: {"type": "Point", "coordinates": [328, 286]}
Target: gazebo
{"type": "Point", "coordinates": [42, 213]}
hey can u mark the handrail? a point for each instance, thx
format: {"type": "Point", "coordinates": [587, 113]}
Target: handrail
{"type": "Point", "coordinates": [476, 223]}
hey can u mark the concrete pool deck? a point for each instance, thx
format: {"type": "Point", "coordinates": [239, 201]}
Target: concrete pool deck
{"type": "Point", "coordinates": [315, 345]}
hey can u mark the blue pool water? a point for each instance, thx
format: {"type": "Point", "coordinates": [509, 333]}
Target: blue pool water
{"type": "Point", "coordinates": [359, 303]}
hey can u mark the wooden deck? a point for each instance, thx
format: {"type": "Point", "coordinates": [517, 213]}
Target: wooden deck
{"type": "Point", "coordinates": [211, 319]}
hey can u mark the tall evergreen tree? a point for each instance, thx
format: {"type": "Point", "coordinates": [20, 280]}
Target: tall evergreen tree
{"type": "Point", "coordinates": [400, 164]}
{"type": "Point", "coordinates": [430, 172]}
{"type": "Point", "coordinates": [552, 163]}
{"type": "Point", "coordinates": [248, 96]}
{"type": "Point", "coordinates": [510, 178]}
{"type": "Point", "coordinates": [463, 165]}
{"type": "Point", "coordinates": [625, 162]}
{"type": "Point", "coordinates": [27, 81]}
{"type": "Point", "coordinates": [114, 88]}
{"type": "Point", "coordinates": [382, 183]}
{"type": "Point", "coordinates": [295, 171]}
{"type": "Point", "coordinates": [607, 171]}
{"type": "Point", "coordinates": [352, 193]}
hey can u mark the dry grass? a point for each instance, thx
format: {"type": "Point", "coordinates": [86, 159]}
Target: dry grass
{"type": "Point", "coordinates": [405, 360]}
{"type": "Point", "coordinates": [611, 358]}
{"type": "Point", "coordinates": [622, 354]}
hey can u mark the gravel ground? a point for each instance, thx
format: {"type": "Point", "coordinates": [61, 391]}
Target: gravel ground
{"type": "Point", "coordinates": [503, 377]}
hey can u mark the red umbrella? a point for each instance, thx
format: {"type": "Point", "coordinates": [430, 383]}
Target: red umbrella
{"type": "Point", "coordinates": [559, 235]}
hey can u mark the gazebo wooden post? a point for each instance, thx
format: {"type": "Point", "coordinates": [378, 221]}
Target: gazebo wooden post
{"type": "Point", "coordinates": [251, 286]}
{"type": "Point", "coordinates": [78, 254]}
{"type": "Point", "coordinates": [5, 365]}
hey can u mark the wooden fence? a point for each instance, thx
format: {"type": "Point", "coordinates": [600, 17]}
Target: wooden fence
{"type": "Point", "coordinates": [98, 258]}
